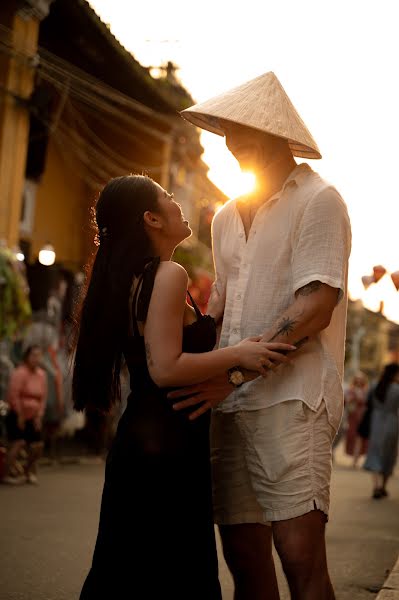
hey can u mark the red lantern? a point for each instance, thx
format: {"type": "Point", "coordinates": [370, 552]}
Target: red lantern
{"type": "Point", "coordinates": [379, 272]}
{"type": "Point", "coordinates": [395, 279]}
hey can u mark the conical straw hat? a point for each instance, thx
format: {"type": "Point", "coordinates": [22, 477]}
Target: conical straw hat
{"type": "Point", "coordinates": [261, 103]}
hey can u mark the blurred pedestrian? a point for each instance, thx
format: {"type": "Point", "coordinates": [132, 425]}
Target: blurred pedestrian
{"type": "Point", "coordinates": [355, 407]}
{"type": "Point", "coordinates": [383, 442]}
{"type": "Point", "coordinates": [26, 396]}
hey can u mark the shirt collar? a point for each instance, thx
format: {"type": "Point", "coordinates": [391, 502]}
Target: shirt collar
{"type": "Point", "coordinates": [292, 180]}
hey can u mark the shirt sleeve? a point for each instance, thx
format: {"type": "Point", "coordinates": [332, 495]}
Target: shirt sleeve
{"type": "Point", "coordinates": [322, 245]}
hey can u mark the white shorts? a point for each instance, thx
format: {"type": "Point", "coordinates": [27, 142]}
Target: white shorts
{"type": "Point", "coordinates": [271, 464]}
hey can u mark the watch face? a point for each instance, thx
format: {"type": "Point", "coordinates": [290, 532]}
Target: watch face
{"type": "Point", "coordinates": [237, 378]}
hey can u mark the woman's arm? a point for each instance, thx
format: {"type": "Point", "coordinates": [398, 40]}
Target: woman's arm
{"type": "Point", "coordinates": [163, 334]}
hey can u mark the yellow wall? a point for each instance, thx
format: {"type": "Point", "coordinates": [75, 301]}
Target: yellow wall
{"type": "Point", "coordinates": [16, 78]}
{"type": "Point", "coordinates": [62, 210]}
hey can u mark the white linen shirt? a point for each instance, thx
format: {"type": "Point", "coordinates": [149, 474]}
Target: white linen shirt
{"type": "Point", "coordinates": [301, 234]}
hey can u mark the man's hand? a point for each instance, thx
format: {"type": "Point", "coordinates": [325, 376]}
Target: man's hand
{"type": "Point", "coordinates": [208, 394]}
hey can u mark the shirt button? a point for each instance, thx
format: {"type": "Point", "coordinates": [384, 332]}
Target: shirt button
{"type": "Point", "coordinates": [235, 330]}
{"type": "Point", "coordinates": [238, 296]}
{"type": "Point", "coordinates": [241, 235]}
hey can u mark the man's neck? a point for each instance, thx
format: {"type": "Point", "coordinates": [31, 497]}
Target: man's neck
{"type": "Point", "coordinates": [271, 179]}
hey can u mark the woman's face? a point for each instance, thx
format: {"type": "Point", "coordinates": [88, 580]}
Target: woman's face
{"type": "Point", "coordinates": [34, 358]}
{"type": "Point", "coordinates": [172, 222]}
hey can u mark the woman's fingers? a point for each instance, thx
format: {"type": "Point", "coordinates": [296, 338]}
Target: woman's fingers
{"type": "Point", "coordinates": [280, 346]}
{"type": "Point", "coordinates": [277, 356]}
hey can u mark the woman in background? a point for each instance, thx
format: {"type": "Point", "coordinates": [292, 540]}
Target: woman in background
{"type": "Point", "coordinates": [383, 442]}
{"type": "Point", "coordinates": [27, 395]}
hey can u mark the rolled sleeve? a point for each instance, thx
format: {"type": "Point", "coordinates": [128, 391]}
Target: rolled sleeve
{"type": "Point", "coordinates": [323, 243]}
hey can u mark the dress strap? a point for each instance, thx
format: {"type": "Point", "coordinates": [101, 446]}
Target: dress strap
{"type": "Point", "coordinates": [142, 295]}
{"type": "Point", "coordinates": [195, 307]}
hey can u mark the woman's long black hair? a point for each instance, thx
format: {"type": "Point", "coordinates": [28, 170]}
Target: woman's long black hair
{"type": "Point", "coordinates": [101, 328]}
{"type": "Point", "coordinates": [387, 377]}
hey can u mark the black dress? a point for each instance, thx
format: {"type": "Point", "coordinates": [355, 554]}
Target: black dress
{"type": "Point", "coordinates": [156, 535]}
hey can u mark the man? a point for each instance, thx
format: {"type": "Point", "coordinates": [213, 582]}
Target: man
{"type": "Point", "coordinates": [281, 260]}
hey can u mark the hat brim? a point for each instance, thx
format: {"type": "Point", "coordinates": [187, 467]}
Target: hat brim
{"type": "Point", "coordinates": [213, 124]}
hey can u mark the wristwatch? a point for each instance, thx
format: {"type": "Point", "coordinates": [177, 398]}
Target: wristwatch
{"type": "Point", "coordinates": [236, 376]}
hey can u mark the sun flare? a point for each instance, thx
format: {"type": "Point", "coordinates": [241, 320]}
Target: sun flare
{"type": "Point", "coordinates": [245, 183]}
{"type": "Point", "coordinates": [232, 181]}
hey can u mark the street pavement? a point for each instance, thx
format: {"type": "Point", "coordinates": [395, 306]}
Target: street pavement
{"type": "Point", "coordinates": [47, 533]}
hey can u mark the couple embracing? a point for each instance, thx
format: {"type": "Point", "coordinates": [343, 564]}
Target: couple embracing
{"type": "Point", "coordinates": [232, 414]}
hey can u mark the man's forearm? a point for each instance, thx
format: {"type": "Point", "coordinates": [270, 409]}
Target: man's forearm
{"type": "Point", "coordinates": [307, 316]}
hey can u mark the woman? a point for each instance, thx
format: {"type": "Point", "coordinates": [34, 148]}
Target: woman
{"type": "Point", "coordinates": [27, 394]}
{"type": "Point", "coordinates": [355, 406]}
{"type": "Point", "coordinates": [383, 442]}
{"type": "Point", "coordinates": [156, 534]}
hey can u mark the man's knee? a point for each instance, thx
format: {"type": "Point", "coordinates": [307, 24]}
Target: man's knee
{"type": "Point", "coordinates": [301, 550]}
{"type": "Point", "coordinates": [245, 546]}
{"type": "Point", "coordinates": [297, 559]}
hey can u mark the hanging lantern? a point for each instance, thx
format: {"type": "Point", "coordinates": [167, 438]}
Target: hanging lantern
{"type": "Point", "coordinates": [367, 280]}
{"type": "Point", "coordinates": [395, 279]}
{"type": "Point", "coordinates": [379, 272]}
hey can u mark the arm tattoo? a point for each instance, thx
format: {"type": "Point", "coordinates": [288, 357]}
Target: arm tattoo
{"type": "Point", "coordinates": [308, 289]}
{"type": "Point", "coordinates": [150, 362]}
{"type": "Point", "coordinates": [285, 327]}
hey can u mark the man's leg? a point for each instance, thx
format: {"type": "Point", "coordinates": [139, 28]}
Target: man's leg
{"type": "Point", "coordinates": [246, 538]}
{"type": "Point", "coordinates": [300, 543]}
{"type": "Point", "coordinates": [247, 549]}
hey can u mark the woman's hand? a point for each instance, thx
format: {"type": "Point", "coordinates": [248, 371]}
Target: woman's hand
{"type": "Point", "coordinates": [255, 355]}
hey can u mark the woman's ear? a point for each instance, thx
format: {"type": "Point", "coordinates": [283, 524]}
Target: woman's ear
{"type": "Point", "coordinates": [152, 220]}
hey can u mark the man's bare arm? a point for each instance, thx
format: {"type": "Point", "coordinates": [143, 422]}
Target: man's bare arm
{"type": "Point", "coordinates": [309, 314]}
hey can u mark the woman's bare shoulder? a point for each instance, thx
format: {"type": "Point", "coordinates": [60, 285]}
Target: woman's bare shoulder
{"type": "Point", "coordinates": [171, 274]}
